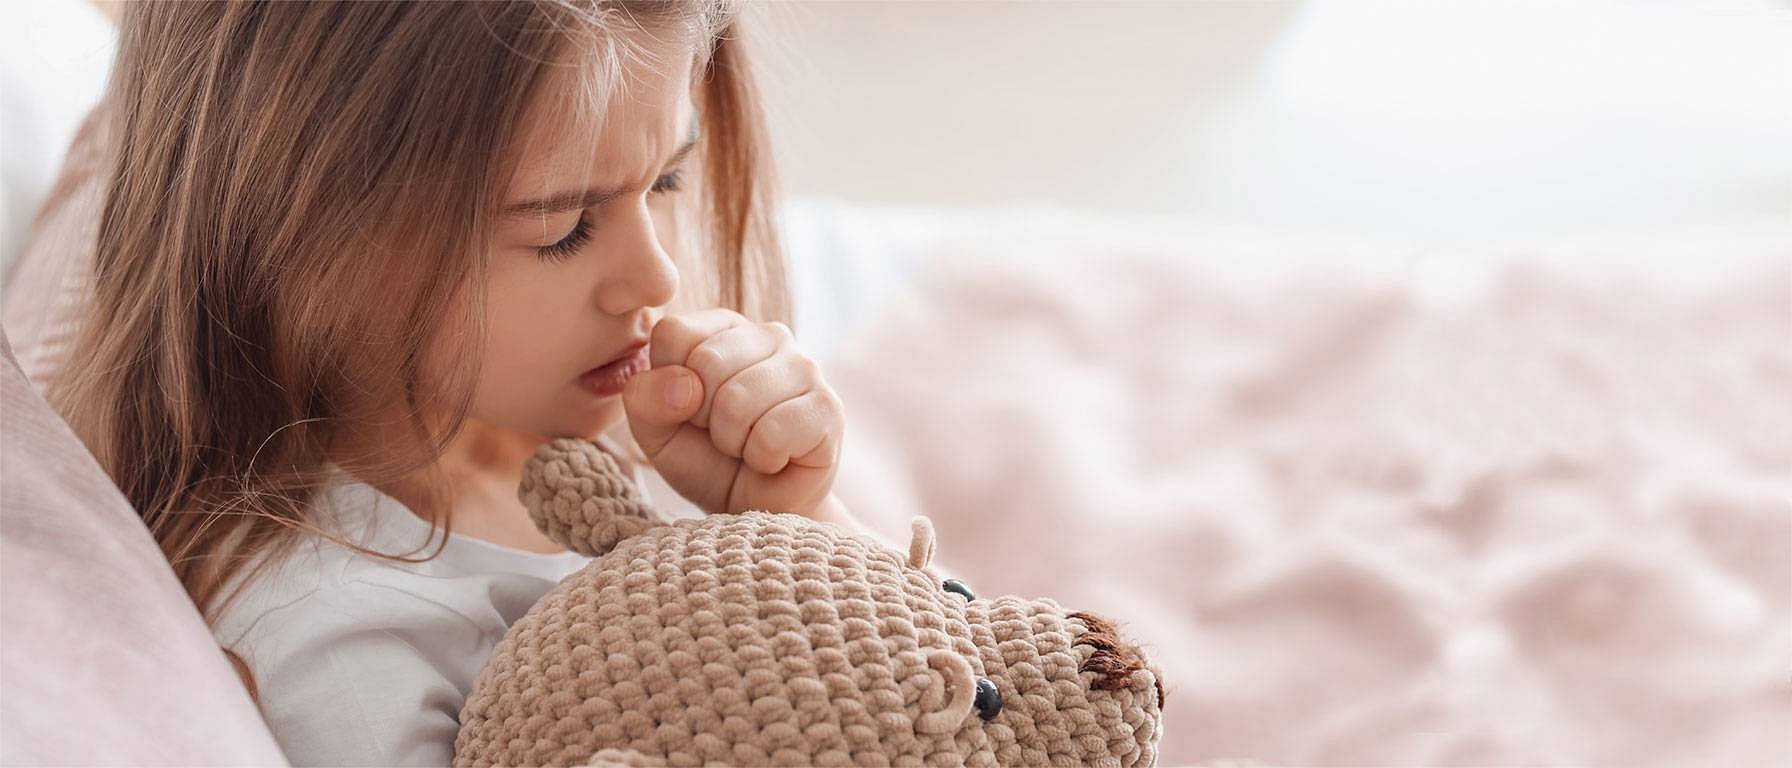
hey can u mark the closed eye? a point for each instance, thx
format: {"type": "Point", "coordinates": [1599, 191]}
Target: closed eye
{"type": "Point", "coordinates": [669, 182]}
{"type": "Point", "coordinates": [565, 247]}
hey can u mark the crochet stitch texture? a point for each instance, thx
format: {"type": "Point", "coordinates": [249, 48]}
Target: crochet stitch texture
{"type": "Point", "coordinates": [772, 639]}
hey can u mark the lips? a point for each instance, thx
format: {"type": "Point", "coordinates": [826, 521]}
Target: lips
{"type": "Point", "coordinates": [608, 380]}
{"type": "Point", "coordinates": [625, 354]}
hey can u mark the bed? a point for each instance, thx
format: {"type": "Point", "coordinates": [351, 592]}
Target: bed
{"type": "Point", "coordinates": [1366, 503]}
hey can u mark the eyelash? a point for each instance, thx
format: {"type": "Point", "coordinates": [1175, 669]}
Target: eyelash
{"type": "Point", "coordinates": [581, 231]}
{"type": "Point", "coordinates": [668, 182]}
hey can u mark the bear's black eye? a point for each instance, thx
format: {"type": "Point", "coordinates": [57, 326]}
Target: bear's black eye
{"type": "Point", "coordinates": [954, 585]}
{"type": "Point", "coordinates": [989, 699]}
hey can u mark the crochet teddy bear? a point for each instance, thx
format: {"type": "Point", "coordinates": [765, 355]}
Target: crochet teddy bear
{"type": "Point", "coordinates": [772, 639]}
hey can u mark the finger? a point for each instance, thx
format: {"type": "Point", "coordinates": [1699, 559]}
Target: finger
{"type": "Point", "coordinates": [674, 336]}
{"type": "Point", "coordinates": [747, 397]}
{"type": "Point", "coordinates": [795, 488]}
{"type": "Point", "coordinates": [690, 464]}
{"type": "Point", "coordinates": [657, 402]}
{"type": "Point", "coordinates": [827, 452]}
{"type": "Point", "coordinates": [805, 427]}
{"type": "Point", "coordinates": [721, 357]}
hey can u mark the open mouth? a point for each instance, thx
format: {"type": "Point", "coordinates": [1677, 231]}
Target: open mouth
{"type": "Point", "coordinates": [607, 380]}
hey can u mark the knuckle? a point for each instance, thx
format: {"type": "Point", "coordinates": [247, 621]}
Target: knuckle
{"type": "Point", "coordinates": [766, 434]}
{"type": "Point", "coordinates": [766, 453]}
{"type": "Point", "coordinates": [783, 331]}
{"type": "Point", "coordinates": [832, 405]}
{"type": "Point", "coordinates": [668, 331]}
{"type": "Point", "coordinates": [705, 356]}
{"type": "Point", "coordinates": [765, 465]}
{"type": "Point", "coordinates": [732, 401]}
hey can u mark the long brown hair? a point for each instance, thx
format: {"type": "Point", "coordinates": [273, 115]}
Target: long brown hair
{"type": "Point", "coordinates": [297, 192]}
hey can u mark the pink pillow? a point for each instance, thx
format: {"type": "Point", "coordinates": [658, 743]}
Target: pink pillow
{"type": "Point", "coordinates": [105, 659]}
{"type": "Point", "coordinates": [46, 292]}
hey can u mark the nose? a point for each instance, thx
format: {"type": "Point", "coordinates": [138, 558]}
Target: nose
{"type": "Point", "coordinates": [1114, 660]}
{"type": "Point", "coordinates": [641, 272]}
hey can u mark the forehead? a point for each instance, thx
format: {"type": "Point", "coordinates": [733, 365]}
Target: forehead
{"type": "Point", "coordinates": [583, 125]}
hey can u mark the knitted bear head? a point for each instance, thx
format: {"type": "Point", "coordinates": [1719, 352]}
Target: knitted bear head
{"type": "Point", "coordinates": [772, 639]}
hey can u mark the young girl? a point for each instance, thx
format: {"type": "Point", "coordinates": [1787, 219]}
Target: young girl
{"type": "Point", "coordinates": [357, 260]}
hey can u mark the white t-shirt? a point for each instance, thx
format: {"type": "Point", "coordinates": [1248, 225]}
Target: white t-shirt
{"type": "Point", "coordinates": [363, 661]}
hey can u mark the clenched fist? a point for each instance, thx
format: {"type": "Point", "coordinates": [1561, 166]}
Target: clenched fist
{"type": "Point", "coordinates": [733, 417]}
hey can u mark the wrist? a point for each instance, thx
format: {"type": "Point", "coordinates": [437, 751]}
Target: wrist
{"type": "Point", "coordinates": [833, 510]}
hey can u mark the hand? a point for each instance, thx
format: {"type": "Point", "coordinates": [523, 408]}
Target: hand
{"type": "Point", "coordinates": [734, 417]}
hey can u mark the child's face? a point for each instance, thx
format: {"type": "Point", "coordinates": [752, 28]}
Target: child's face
{"type": "Point", "coordinates": [581, 267]}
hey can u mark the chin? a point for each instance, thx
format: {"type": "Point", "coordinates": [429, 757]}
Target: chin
{"type": "Point", "coordinates": [589, 422]}
{"type": "Point", "coordinates": [571, 412]}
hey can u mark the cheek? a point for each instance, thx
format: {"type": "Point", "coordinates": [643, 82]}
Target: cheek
{"type": "Point", "coordinates": [532, 355]}
{"type": "Point", "coordinates": [524, 336]}
{"type": "Point", "coordinates": [444, 380]}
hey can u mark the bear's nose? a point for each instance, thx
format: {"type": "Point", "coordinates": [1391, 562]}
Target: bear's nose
{"type": "Point", "coordinates": [1113, 659]}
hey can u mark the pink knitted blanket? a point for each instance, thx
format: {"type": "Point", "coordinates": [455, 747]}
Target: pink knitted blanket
{"type": "Point", "coordinates": [1371, 506]}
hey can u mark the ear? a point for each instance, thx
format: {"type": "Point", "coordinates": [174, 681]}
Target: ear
{"type": "Point", "coordinates": [957, 697]}
{"type": "Point", "coordinates": [578, 496]}
{"type": "Point", "coordinates": [920, 546]}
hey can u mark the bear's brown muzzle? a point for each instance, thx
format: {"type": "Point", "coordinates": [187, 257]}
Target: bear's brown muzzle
{"type": "Point", "coordinates": [1113, 660]}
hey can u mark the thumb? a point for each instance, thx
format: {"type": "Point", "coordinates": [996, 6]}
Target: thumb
{"type": "Point", "coordinates": [658, 401]}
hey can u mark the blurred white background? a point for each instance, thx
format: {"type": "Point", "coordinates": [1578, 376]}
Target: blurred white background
{"type": "Point", "coordinates": [1392, 120]}
{"type": "Point", "coordinates": [1403, 120]}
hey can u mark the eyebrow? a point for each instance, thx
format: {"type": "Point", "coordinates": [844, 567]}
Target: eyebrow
{"type": "Point", "coordinates": [574, 200]}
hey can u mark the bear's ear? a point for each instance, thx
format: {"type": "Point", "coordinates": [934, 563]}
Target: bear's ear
{"type": "Point", "coordinates": [578, 496]}
{"type": "Point", "coordinates": [920, 546]}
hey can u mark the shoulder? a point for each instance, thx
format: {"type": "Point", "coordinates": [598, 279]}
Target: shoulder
{"type": "Point", "coordinates": [363, 659]}
{"type": "Point", "coordinates": [351, 666]}
{"type": "Point", "coordinates": [321, 584]}
{"type": "Point", "coordinates": [411, 578]}
{"type": "Point", "coordinates": [357, 672]}
{"type": "Point", "coordinates": [328, 621]}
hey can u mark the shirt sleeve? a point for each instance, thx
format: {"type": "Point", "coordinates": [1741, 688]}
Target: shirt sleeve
{"type": "Point", "coordinates": [363, 674]}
